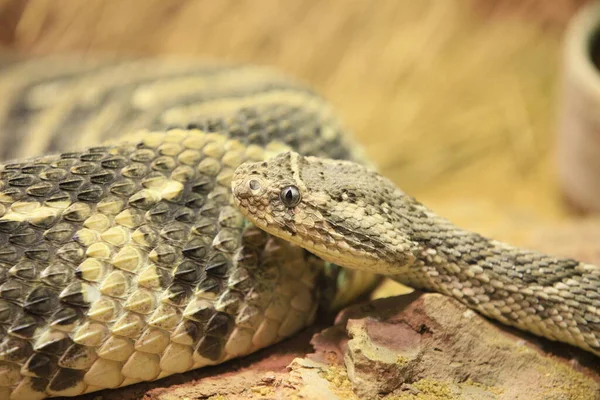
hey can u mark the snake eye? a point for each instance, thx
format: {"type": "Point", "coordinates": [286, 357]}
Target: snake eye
{"type": "Point", "coordinates": [290, 196]}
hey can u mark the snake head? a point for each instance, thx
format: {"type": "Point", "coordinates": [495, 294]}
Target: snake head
{"type": "Point", "coordinates": [338, 210]}
{"type": "Point", "coordinates": [273, 196]}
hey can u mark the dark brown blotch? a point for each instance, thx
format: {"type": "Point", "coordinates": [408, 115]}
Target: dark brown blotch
{"type": "Point", "coordinates": [9, 226]}
{"type": "Point", "coordinates": [175, 232]}
{"type": "Point", "coordinates": [16, 350]}
{"type": "Point", "coordinates": [38, 385]}
{"type": "Point", "coordinates": [73, 295]}
{"type": "Point", "coordinates": [71, 252]}
{"type": "Point", "coordinates": [22, 180]}
{"type": "Point", "coordinates": [90, 194]}
{"type": "Point", "coordinates": [102, 178]}
{"type": "Point", "coordinates": [178, 293]}
{"type": "Point", "coordinates": [193, 330]}
{"type": "Point", "coordinates": [12, 290]}
{"type": "Point", "coordinates": [25, 325]}
{"type": "Point", "coordinates": [219, 325]}
{"type": "Point", "coordinates": [71, 184]}
{"type": "Point", "coordinates": [114, 162]}
{"type": "Point", "coordinates": [203, 184]}
{"type": "Point", "coordinates": [217, 265]}
{"type": "Point", "coordinates": [78, 356]}
{"type": "Point", "coordinates": [60, 233]}
{"type": "Point", "coordinates": [125, 187]}
{"type": "Point", "coordinates": [84, 168]}
{"type": "Point", "coordinates": [203, 315]}
{"type": "Point", "coordinates": [42, 300]}
{"type": "Point", "coordinates": [195, 249]}
{"type": "Point", "coordinates": [40, 365]}
{"type": "Point", "coordinates": [92, 156]}
{"type": "Point", "coordinates": [41, 189]}
{"type": "Point", "coordinates": [66, 378]}
{"type": "Point", "coordinates": [40, 252]}
{"type": "Point", "coordinates": [56, 344]}
{"type": "Point", "coordinates": [209, 284]}
{"type": "Point", "coordinates": [26, 270]}
{"type": "Point", "coordinates": [33, 169]}
{"type": "Point", "coordinates": [159, 214]}
{"type": "Point", "coordinates": [166, 255]}
{"type": "Point", "coordinates": [65, 316]}
{"type": "Point", "coordinates": [210, 347]}
{"type": "Point", "coordinates": [187, 271]}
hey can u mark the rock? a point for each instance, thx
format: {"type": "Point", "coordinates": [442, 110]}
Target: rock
{"type": "Point", "coordinates": [429, 346]}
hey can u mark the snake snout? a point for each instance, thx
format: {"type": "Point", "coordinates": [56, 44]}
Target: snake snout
{"type": "Point", "coordinates": [246, 186]}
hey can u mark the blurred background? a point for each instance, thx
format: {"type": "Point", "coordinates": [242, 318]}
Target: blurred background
{"type": "Point", "coordinates": [455, 100]}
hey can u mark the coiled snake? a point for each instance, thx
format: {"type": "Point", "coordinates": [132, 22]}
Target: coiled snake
{"type": "Point", "coordinates": [127, 261]}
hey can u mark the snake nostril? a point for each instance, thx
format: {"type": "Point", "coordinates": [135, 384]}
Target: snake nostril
{"type": "Point", "coordinates": [241, 192]}
{"type": "Point", "coordinates": [254, 184]}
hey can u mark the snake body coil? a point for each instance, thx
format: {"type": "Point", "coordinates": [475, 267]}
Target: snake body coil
{"type": "Point", "coordinates": [127, 261]}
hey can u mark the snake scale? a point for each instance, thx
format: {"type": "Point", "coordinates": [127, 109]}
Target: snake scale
{"type": "Point", "coordinates": [348, 214]}
{"type": "Point", "coordinates": [122, 256]}
{"type": "Point", "coordinates": [125, 258]}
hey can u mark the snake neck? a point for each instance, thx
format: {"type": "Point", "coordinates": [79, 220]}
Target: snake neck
{"type": "Point", "coordinates": [552, 297]}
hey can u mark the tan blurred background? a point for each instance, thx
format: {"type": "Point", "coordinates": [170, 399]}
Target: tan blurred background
{"type": "Point", "coordinates": [454, 99]}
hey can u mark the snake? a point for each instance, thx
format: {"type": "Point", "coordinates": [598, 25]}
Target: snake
{"type": "Point", "coordinates": [123, 257]}
{"type": "Point", "coordinates": [348, 214]}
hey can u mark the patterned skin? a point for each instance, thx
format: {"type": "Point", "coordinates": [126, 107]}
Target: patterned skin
{"type": "Point", "coordinates": [127, 261]}
{"type": "Point", "coordinates": [348, 214]}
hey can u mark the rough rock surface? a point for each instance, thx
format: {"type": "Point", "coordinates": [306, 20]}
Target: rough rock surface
{"type": "Point", "coordinates": [428, 346]}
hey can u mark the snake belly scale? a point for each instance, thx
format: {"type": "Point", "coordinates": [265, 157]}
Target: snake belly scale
{"type": "Point", "coordinates": [348, 214]}
{"type": "Point", "coordinates": [124, 259]}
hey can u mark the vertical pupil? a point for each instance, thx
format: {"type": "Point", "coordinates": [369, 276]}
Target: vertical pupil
{"type": "Point", "coordinates": [290, 196]}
